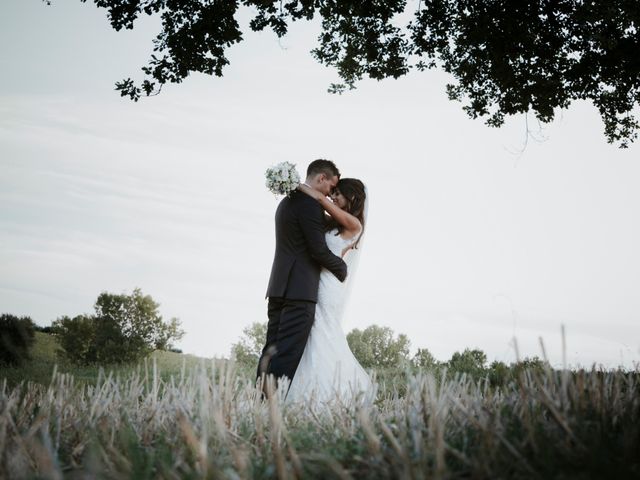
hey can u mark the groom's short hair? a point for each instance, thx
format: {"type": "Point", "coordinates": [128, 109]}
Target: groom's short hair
{"type": "Point", "coordinates": [323, 166]}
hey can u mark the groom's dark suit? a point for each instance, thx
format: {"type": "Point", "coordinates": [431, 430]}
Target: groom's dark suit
{"type": "Point", "coordinates": [301, 252]}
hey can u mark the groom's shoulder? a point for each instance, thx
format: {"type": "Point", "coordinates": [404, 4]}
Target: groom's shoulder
{"type": "Point", "coordinates": [300, 198]}
{"type": "Point", "coordinates": [303, 201]}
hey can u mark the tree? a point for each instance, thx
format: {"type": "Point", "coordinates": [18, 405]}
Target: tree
{"type": "Point", "coordinates": [124, 328]}
{"type": "Point", "coordinates": [424, 359]}
{"type": "Point", "coordinates": [469, 361]}
{"type": "Point", "coordinates": [77, 338]}
{"type": "Point", "coordinates": [168, 333]}
{"type": "Point", "coordinates": [505, 58]}
{"type": "Point", "coordinates": [533, 364]}
{"type": "Point", "coordinates": [499, 373]}
{"type": "Point", "coordinates": [247, 351]}
{"type": "Point", "coordinates": [17, 335]}
{"type": "Point", "coordinates": [376, 347]}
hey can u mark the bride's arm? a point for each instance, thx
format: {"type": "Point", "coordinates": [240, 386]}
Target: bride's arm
{"type": "Point", "coordinates": [344, 218]}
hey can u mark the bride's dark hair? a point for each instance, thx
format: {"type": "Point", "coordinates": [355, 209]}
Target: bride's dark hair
{"type": "Point", "coordinates": [353, 190]}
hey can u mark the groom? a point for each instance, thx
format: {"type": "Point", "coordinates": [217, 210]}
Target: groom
{"type": "Point", "coordinates": [301, 252]}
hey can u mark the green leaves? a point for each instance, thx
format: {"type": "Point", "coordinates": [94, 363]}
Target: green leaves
{"type": "Point", "coordinates": [247, 351]}
{"type": "Point", "coordinates": [123, 329]}
{"type": "Point", "coordinates": [515, 57]}
{"type": "Point", "coordinates": [506, 58]}
{"type": "Point", "coordinates": [17, 335]}
{"type": "Point", "coordinates": [359, 39]}
{"type": "Point", "coordinates": [77, 338]}
{"type": "Point", "coordinates": [469, 361]}
{"type": "Point", "coordinates": [376, 347]}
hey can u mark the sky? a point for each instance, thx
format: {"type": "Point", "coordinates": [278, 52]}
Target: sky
{"type": "Point", "coordinates": [477, 237]}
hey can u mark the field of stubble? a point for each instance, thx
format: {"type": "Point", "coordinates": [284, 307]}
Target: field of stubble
{"type": "Point", "coordinates": [208, 422]}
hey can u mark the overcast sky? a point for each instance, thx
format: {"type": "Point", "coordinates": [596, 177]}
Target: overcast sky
{"type": "Point", "coordinates": [473, 239]}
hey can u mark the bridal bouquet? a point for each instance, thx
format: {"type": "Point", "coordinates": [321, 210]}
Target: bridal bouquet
{"type": "Point", "coordinates": [282, 178]}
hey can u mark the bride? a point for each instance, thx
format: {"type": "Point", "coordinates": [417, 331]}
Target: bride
{"type": "Point", "coordinates": [328, 369]}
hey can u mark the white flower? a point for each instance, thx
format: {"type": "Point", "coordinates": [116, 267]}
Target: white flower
{"type": "Point", "coordinates": [282, 179]}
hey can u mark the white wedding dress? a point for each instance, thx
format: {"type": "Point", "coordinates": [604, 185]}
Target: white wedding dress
{"type": "Point", "coordinates": [328, 370]}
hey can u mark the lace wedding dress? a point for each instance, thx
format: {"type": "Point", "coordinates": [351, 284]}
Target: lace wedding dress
{"type": "Point", "coordinates": [328, 369]}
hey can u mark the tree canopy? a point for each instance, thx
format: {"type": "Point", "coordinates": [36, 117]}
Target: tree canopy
{"type": "Point", "coordinates": [505, 58]}
{"type": "Point", "coordinates": [124, 328]}
{"type": "Point", "coordinates": [376, 347]}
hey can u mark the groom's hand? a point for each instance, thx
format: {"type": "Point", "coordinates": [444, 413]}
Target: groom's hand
{"type": "Point", "coordinates": [342, 276]}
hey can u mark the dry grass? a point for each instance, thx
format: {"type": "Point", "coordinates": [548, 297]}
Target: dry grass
{"type": "Point", "coordinates": [209, 422]}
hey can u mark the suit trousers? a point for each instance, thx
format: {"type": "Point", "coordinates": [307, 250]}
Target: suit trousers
{"type": "Point", "coordinates": [289, 325]}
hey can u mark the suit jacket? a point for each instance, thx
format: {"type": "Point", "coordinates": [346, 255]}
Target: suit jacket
{"type": "Point", "coordinates": [301, 250]}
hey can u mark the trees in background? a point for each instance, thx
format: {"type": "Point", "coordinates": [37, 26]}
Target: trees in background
{"type": "Point", "coordinates": [504, 58]}
{"type": "Point", "coordinates": [470, 361]}
{"type": "Point", "coordinates": [376, 347]}
{"type": "Point", "coordinates": [424, 359]}
{"type": "Point", "coordinates": [17, 335]}
{"type": "Point", "coordinates": [77, 337]}
{"type": "Point", "coordinates": [124, 328]}
{"type": "Point", "coordinates": [247, 351]}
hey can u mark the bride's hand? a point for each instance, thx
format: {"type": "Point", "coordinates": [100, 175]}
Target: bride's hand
{"type": "Point", "coordinates": [310, 191]}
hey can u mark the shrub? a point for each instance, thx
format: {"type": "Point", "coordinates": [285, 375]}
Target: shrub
{"type": "Point", "coordinates": [17, 335]}
{"type": "Point", "coordinates": [77, 338]}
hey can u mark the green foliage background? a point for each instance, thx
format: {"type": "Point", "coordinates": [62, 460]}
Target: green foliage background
{"type": "Point", "coordinates": [123, 329]}
{"type": "Point", "coordinates": [16, 339]}
{"type": "Point", "coordinates": [387, 357]}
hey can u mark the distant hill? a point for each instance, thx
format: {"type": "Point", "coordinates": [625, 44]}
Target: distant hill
{"type": "Point", "coordinates": [44, 359]}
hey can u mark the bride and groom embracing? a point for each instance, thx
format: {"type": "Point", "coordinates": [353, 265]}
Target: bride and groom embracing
{"type": "Point", "coordinates": [317, 251]}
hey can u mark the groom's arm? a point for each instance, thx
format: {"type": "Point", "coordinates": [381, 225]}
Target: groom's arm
{"type": "Point", "coordinates": [313, 231]}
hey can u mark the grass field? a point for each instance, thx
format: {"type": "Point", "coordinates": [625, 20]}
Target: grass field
{"type": "Point", "coordinates": [207, 421]}
{"type": "Point", "coordinates": [44, 359]}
